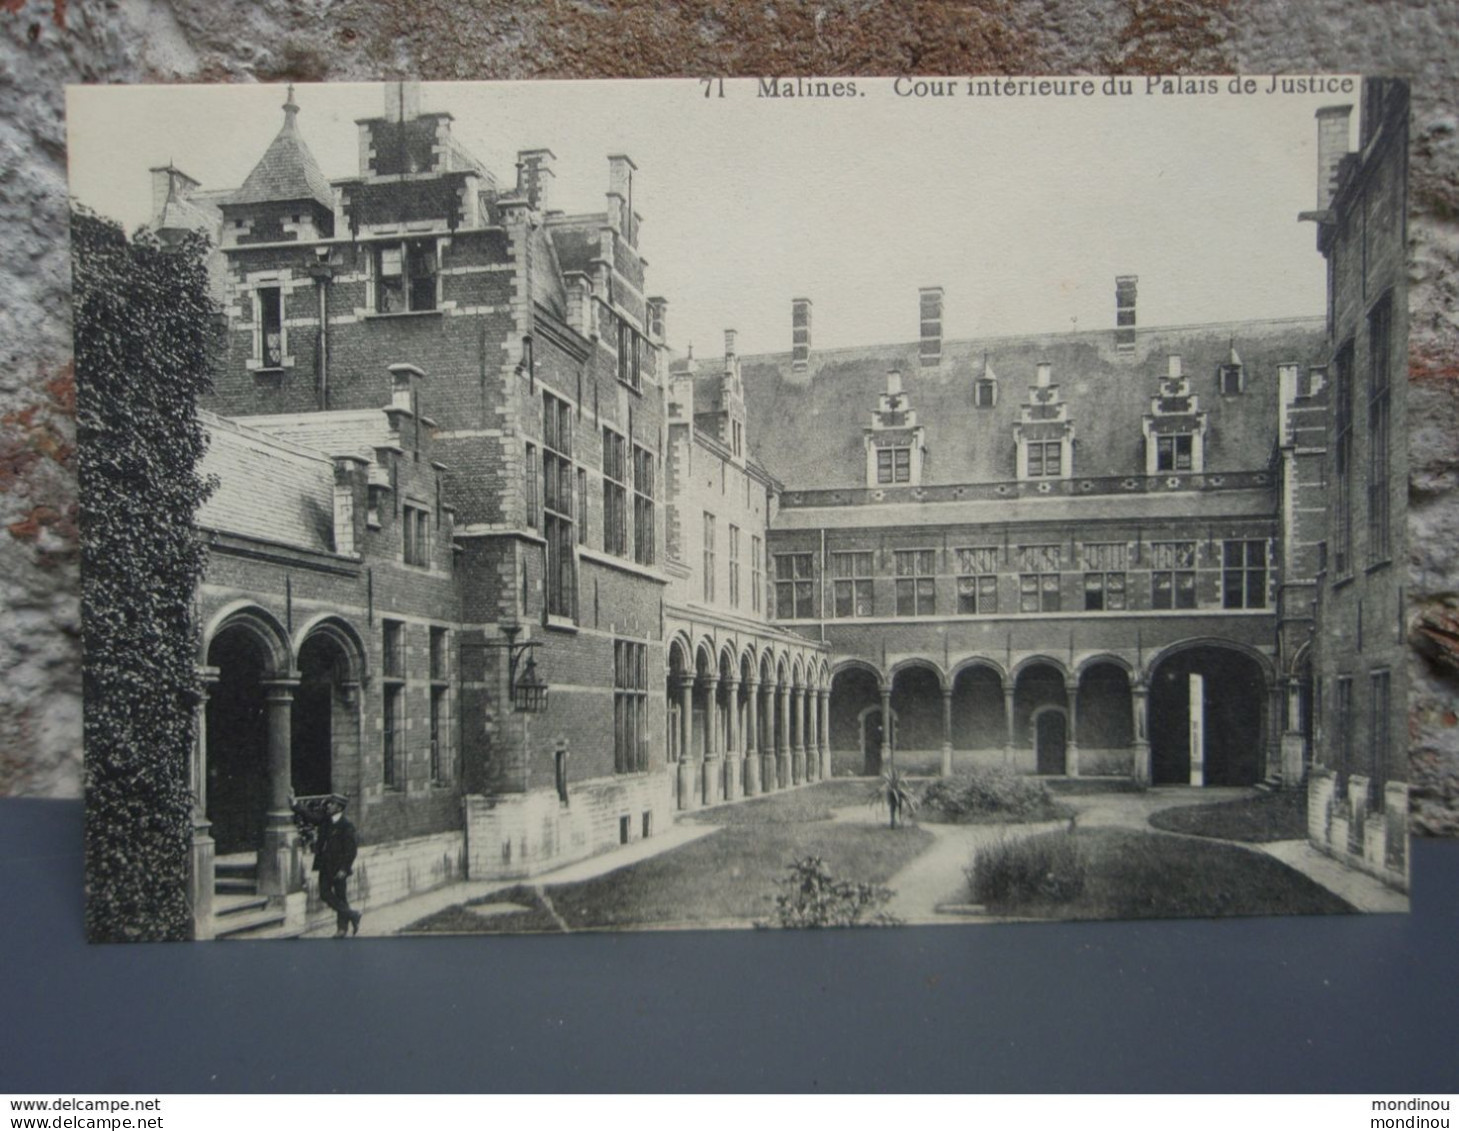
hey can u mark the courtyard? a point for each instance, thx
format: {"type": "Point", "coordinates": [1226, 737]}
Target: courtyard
{"type": "Point", "coordinates": [1236, 853]}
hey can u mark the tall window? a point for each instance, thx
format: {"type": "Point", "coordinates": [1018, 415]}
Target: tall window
{"type": "Point", "coordinates": [615, 493]}
{"type": "Point", "coordinates": [977, 580]}
{"type": "Point", "coordinates": [795, 586]}
{"type": "Point", "coordinates": [1380, 341]}
{"type": "Point", "coordinates": [1038, 579]}
{"type": "Point", "coordinates": [630, 706]}
{"type": "Point", "coordinates": [1104, 576]}
{"type": "Point", "coordinates": [1173, 575]}
{"type": "Point", "coordinates": [1173, 453]}
{"type": "Point", "coordinates": [270, 327]}
{"type": "Point", "coordinates": [734, 565]}
{"type": "Point", "coordinates": [393, 639]}
{"type": "Point", "coordinates": [1045, 459]}
{"type": "Point", "coordinates": [582, 511]}
{"type": "Point", "coordinates": [393, 770]}
{"type": "Point", "coordinates": [1342, 462]}
{"type": "Point", "coordinates": [851, 586]}
{"type": "Point", "coordinates": [557, 488]}
{"type": "Point", "coordinates": [894, 465]}
{"type": "Point", "coordinates": [1343, 721]}
{"type": "Point", "coordinates": [643, 506]}
{"type": "Point", "coordinates": [630, 355]}
{"type": "Point", "coordinates": [709, 556]}
{"type": "Point", "coordinates": [1379, 705]}
{"type": "Point", "coordinates": [530, 486]}
{"type": "Point", "coordinates": [440, 761]}
{"type": "Point", "coordinates": [916, 584]}
{"type": "Point", "coordinates": [757, 572]}
{"type": "Point", "coordinates": [405, 276]}
{"type": "Point", "coordinates": [416, 535]}
{"type": "Point", "coordinates": [1244, 573]}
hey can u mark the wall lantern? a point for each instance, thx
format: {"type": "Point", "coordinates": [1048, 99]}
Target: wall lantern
{"type": "Point", "coordinates": [529, 690]}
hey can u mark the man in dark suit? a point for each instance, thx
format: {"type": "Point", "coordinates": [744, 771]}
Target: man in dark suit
{"type": "Point", "coordinates": [334, 860]}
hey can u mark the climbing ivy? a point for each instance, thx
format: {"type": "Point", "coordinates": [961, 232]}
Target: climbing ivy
{"type": "Point", "coordinates": [145, 326]}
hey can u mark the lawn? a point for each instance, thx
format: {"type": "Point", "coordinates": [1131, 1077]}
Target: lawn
{"type": "Point", "coordinates": [1134, 875]}
{"type": "Point", "coordinates": [1266, 817]}
{"type": "Point", "coordinates": [725, 878]}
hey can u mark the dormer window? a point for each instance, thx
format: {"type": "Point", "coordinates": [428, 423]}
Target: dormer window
{"type": "Point", "coordinates": [405, 276]}
{"type": "Point", "coordinates": [985, 393]}
{"type": "Point", "coordinates": [1045, 459]}
{"type": "Point", "coordinates": [894, 465]}
{"type": "Point", "coordinates": [1174, 453]}
{"type": "Point", "coordinates": [1232, 380]}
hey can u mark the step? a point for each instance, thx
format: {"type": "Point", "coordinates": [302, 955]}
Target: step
{"type": "Point", "coordinates": [235, 885]}
{"type": "Point", "coordinates": [266, 923]}
{"type": "Point", "coordinates": [238, 904]}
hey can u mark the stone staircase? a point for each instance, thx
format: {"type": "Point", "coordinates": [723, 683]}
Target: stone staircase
{"type": "Point", "coordinates": [239, 912]}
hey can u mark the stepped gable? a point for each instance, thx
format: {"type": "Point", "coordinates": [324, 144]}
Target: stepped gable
{"type": "Point", "coordinates": [267, 488]}
{"type": "Point", "coordinates": [808, 427]}
{"type": "Point", "coordinates": [287, 171]}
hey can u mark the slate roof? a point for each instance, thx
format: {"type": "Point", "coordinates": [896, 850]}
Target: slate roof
{"type": "Point", "coordinates": [338, 433]}
{"type": "Point", "coordinates": [807, 428]}
{"type": "Point", "coordinates": [287, 170]}
{"type": "Point", "coordinates": [267, 488]}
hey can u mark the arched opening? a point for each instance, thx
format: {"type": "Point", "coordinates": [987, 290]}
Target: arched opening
{"type": "Point", "coordinates": [1105, 728]}
{"type": "Point", "coordinates": [324, 735]}
{"type": "Point", "coordinates": [1206, 717]}
{"type": "Point", "coordinates": [237, 722]}
{"type": "Point", "coordinates": [978, 722]}
{"type": "Point", "coordinates": [917, 708]}
{"type": "Point", "coordinates": [1037, 686]}
{"type": "Point", "coordinates": [872, 730]}
{"type": "Point", "coordinates": [853, 751]}
{"type": "Point", "coordinates": [1051, 741]}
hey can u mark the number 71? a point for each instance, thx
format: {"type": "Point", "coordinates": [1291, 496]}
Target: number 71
{"type": "Point", "coordinates": [713, 85]}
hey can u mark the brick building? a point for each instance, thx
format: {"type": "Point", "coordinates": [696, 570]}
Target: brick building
{"type": "Point", "coordinates": [438, 398]}
{"type": "Point", "coordinates": [1066, 553]}
{"type": "Point", "coordinates": [1358, 793]}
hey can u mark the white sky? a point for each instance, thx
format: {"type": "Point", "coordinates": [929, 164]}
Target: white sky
{"type": "Point", "coordinates": [1024, 209]}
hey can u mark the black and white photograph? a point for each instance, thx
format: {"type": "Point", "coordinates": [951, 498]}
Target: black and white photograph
{"type": "Point", "coordinates": [765, 503]}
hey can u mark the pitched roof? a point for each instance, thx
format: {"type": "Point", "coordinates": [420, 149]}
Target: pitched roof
{"type": "Point", "coordinates": [267, 488]}
{"type": "Point", "coordinates": [287, 170]}
{"type": "Point", "coordinates": [808, 427]}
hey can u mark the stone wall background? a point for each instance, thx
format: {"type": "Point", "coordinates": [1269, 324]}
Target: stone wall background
{"type": "Point", "coordinates": [45, 44]}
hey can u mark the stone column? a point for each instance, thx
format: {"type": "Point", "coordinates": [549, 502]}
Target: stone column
{"type": "Point", "coordinates": [782, 741]}
{"type": "Point", "coordinates": [733, 754]}
{"type": "Point", "coordinates": [825, 735]}
{"type": "Point", "coordinates": [769, 773]}
{"type": "Point", "coordinates": [1071, 746]}
{"type": "Point", "coordinates": [1138, 702]}
{"type": "Point", "coordinates": [797, 735]}
{"type": "Point", "coordinates": [201, 882]}
{"type": "Point", "coordinates": [1008, 744]}
{"type": "Point", "coordinates": [812, 761]}
{"type": "Point", "coordinates": [1272, 762]}
{"type": "Point", "coordinates": [685, 687]}
{"type": "Point", "coordinates": [947, 732]}
{"type": "Point", "coordinates": [886, 729]}
{"type": "Point", "coordinates": [752, 737]}
{"type": "Point", "coordinates": [1196, 691]}
{"type": "Point", "coordinates": [278, 860]}
{"type": "Point", "coordinates": [712, 766]}
{"type": "Point", "coordinates": [1294, 742]}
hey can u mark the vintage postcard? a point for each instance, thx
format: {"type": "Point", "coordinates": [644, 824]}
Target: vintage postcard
{"type": "Point", "coordinates": [781, 502]}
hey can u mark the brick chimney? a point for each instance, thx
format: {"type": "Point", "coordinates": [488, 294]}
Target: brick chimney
{"type": "Point", "coordinates": [1125, 291]}
{"type": "Point", "coordinates": [351, 475]}
{"type": "Point", "coordinates": [620, 197]}
{"type": "Point", "coordinates": [402, 101]}
{"type": "Point", "coordinates": [658, 314]}
{"type": "Point", "coordinates": [1332, 147]}
{"type": "Point", "coordinates": [535, 175]}
{"type": "Point", "coordinates": [800, 334]}
{"type": "Point", "coordinates": [729, 345]}
{"type": "Point", "coordinates": [929, 352]}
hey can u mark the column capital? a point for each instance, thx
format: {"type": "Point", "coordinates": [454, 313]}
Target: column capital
{"type": "Point", "coordinates": [731, 684]}
{"type": "Point", "coordinates": [682, 681]}
{"type": "Point", "coordinates": [281, 688]}
{"type": "Point", "coordinates": [752, 685]}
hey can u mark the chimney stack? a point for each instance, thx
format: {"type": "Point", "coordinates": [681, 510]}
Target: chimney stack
{"type": "Point", "coordinates": [1125, 289]}
{"type": "Point", "coordinates": [620, 196]}
{"type": "Point", "coordinates": [1172, 367]}
{"type": "Point", "coordinates": [1044, 378]}
{"type": "Point", "coordinates": [929, 351]}
{"type": "Point", "coordinates": [800, 334]}
{"type": "Point", "coordinates": [535, 175]}
{"type": "Point", "coordinates": [402, 101]}
{"type": "Point", "coordinates": [894, 382]}
{"type": "Point", "coordinates": [729, 344]}
{"type": "Point", "coordinates": [1332, 147]}
{"type": "Point", "coordinates": [658, 310]}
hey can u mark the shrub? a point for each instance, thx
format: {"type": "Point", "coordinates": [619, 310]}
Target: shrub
{"type": "Point", "coordinates": [990, 792]}
{"type": "Point", "coordinates": [144, 349]}
{"type": "Point", "coordinates": [895, 792]}
{"type": "Point", "coordinates": [1046, 868]}
{"type": "Point", "coordinates": [811, 897]}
